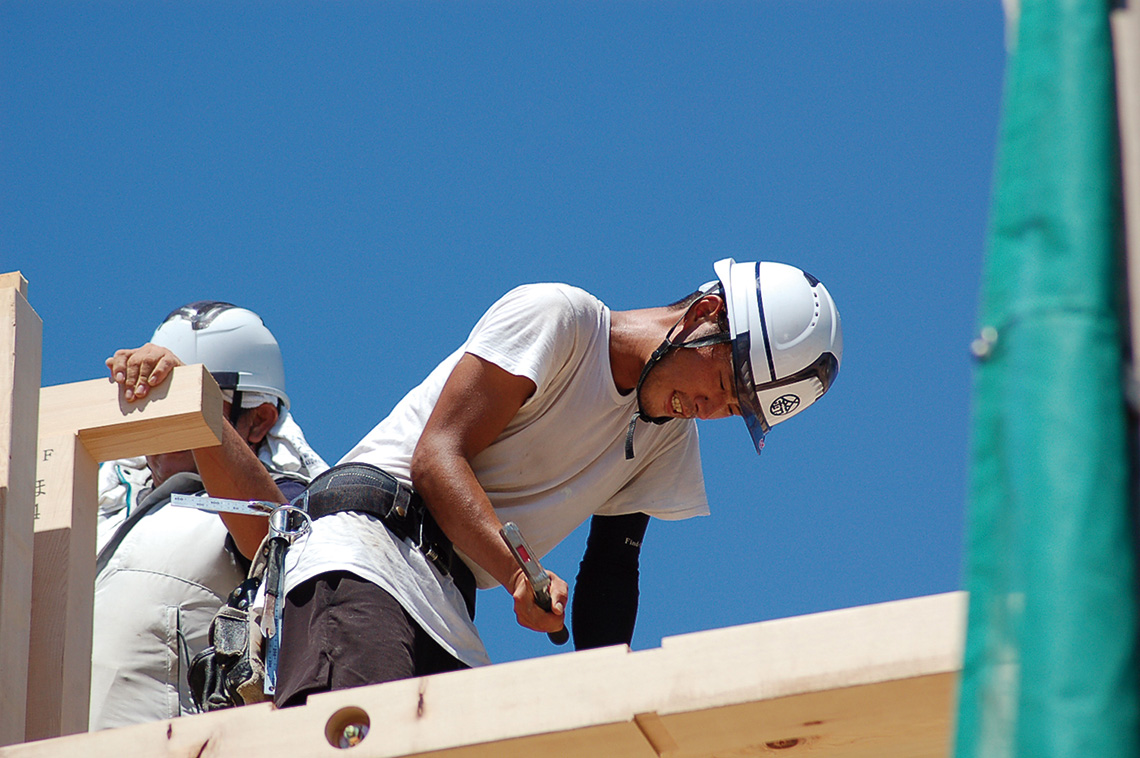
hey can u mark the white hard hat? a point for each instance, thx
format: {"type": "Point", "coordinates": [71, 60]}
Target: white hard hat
{"type": "Point", "coordinates": [786, 338]}
{"type": "Point", "coordinates": [232, 342]}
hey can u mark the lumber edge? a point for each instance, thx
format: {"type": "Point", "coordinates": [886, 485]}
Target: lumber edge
{"type": "Point", "coordinates": [625, 703]}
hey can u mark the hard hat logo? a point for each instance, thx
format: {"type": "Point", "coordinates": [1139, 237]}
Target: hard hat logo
{"type": "Point", "coordinates": [784, 404]}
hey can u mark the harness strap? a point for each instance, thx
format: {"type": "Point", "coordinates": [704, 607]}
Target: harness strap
{"type": "Point", "coordinates": [364, 488]}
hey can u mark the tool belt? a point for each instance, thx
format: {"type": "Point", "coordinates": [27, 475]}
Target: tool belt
{"type": "Point", "coordinates": [231, 671]}
{"type": "Point", "coordinates": [364, 488]}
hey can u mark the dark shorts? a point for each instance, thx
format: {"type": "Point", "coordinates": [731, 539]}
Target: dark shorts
{"type": "Point", "coordinates": [341, 631]}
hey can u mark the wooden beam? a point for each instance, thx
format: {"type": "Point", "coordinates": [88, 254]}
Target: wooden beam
{"type": "Point", "coordinates": [80, 425]}
{"type": "Point", "coordinates": [185, 412]}
{"type": "Point", "coordinates": [21, 333]}
{"type": "Point", "coordinates": [14, 280]}
{"type": "Point", "coordinates": [874, 681]}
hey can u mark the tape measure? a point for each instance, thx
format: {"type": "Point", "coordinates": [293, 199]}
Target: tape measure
{"type": "Point", "coordinates": [220, 505]}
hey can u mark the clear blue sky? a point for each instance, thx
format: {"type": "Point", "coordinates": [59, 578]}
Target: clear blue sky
{"type": "Point", "coordinates": [370, 176]}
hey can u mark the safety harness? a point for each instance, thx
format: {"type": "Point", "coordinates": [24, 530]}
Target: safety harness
{"type": "Point", "coordinates": [239, 667]}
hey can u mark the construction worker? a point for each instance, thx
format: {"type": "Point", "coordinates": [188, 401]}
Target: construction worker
{"type": "Point", "coordinates": [538, 418]}
{"type": "Point", "coordinates": [163, 571]}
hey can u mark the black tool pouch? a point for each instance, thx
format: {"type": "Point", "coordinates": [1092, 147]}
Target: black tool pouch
{"type": "Point", "coordinates": [231, 671]}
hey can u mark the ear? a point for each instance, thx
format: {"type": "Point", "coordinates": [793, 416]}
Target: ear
{"type": "Point", "coordinates": [704, 310]}
{"type": "Point", "coordinates": [261, 420]}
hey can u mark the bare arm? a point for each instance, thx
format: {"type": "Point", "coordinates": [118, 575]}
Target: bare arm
{"type": "Point", "coordinates": [229, 470]}
{"type": "Point", "coordinates": [232, 470]}
{"type": "Point", "coordinates": [476, 404]}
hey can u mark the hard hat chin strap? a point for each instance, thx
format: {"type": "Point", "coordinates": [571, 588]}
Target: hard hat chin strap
{"type": "Point", "coordinates": [228, 380]}
{"type": "Point", "coordinates": [666, 347]}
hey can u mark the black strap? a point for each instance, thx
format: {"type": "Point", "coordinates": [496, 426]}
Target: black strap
{"type": "Point", "coordinates": [666, 347]}
{"type": "Point", "coordinates": [363, 488]}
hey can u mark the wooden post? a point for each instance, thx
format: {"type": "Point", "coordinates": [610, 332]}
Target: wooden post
{"type": "Point", "coordinates": [80, 425]}
{"type": "Point", "coordinates": [20, 344]}
{"type": "Point", "coordinates": [63, 586]}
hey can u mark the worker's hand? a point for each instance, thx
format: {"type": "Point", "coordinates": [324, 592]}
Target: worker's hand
{"type": "Point", "coordinates": [140, 369]}
{"type": "Point", "coordinates": [526, 609]}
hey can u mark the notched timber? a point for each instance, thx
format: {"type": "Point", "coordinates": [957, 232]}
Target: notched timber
{"type": "Point", "coordinates": [14, 280]}
{"type": "Point", "coordinates": [63, 582]}
{"type": "Point", "coordinates": [183, 413]}
{"type": "Point", "coordinates": [21, 336]}
{"type": "Point", "coordinates": [656, 733]}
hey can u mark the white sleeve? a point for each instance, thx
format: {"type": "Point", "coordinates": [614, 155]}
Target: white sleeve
{"type": "Point", "coordinates": [531, 331]}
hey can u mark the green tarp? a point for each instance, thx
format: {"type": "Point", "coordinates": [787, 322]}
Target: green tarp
{"type": "Point", "coordinates": [1050, 667]}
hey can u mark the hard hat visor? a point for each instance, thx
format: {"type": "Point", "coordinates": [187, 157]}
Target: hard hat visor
{"type": "Point", "coordinates": [773, 402]}
{"type": "Point", "coordinates": [750, 407]}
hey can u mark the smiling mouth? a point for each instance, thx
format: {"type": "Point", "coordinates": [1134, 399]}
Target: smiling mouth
{"type": "Point", "coordinates": [677, 405]}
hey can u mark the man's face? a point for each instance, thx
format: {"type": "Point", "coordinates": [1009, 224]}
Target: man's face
{"type": "Point", "coordinates": [166, 465]}
{"type": "Point", "coordinates": [692, 383]}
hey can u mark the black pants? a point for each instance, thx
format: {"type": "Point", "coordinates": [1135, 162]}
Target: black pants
{"type": "Point", "coordinates": [341, 631]}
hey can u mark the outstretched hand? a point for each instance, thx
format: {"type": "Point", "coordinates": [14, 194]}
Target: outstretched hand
{"type": "Point", "coordinates": [139, 369]}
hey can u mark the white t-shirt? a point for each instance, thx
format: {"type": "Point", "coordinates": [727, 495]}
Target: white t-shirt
{"type": "Point", "coordinates": [559, 461]}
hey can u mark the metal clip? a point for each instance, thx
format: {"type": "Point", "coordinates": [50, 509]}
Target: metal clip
{"type": "Point", "coordinates": [401, 500]}
{"type": "Point", "coordinates": [279, 521]}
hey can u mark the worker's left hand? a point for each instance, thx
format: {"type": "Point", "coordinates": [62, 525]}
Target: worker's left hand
{"type": "Point", "coordinates": [139, 369]}
{"type": "Point", "coordinates": [526, 609]}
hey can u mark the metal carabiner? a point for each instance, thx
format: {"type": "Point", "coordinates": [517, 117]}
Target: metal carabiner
{"type": "Point", "coordinates": [279, 522]}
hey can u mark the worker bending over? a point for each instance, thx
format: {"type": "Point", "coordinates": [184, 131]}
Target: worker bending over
{"type": "Point", "coordinates": [555, 410]}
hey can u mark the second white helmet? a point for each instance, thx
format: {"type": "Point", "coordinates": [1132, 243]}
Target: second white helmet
{"type": "Point", "coordinates": [233, 343]}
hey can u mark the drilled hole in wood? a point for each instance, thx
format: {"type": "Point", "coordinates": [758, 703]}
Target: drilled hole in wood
{"type": "Point", "coordinates": [347, 727]}
{"type": "Point", "coordinates": [782, 744]}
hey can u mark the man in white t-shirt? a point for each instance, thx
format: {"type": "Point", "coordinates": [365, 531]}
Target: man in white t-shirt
{"type": "Point", "coordinates": [534, 420]}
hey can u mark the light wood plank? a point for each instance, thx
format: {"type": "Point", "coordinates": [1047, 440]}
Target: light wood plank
{"type": "Point", "coordinates": [906, 717]}
{"type": "Point", "coordinates": [871, 681]}
{"type": "Point", "coordinates": [81, 424]}
{"type": "Point", "coordinates": [185, 412]}
{"type": "Point", "coordinates": [59, 663]}
{"type": "Point", "coordinates": [21, 333]}
{"type": "Point", "coordinates": [14, 280]}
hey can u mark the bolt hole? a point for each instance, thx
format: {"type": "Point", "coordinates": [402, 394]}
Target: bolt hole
{"type": "Point", "coordinates": [782, 744]}
{"type": "Point", "coordinates": [347, 727]}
